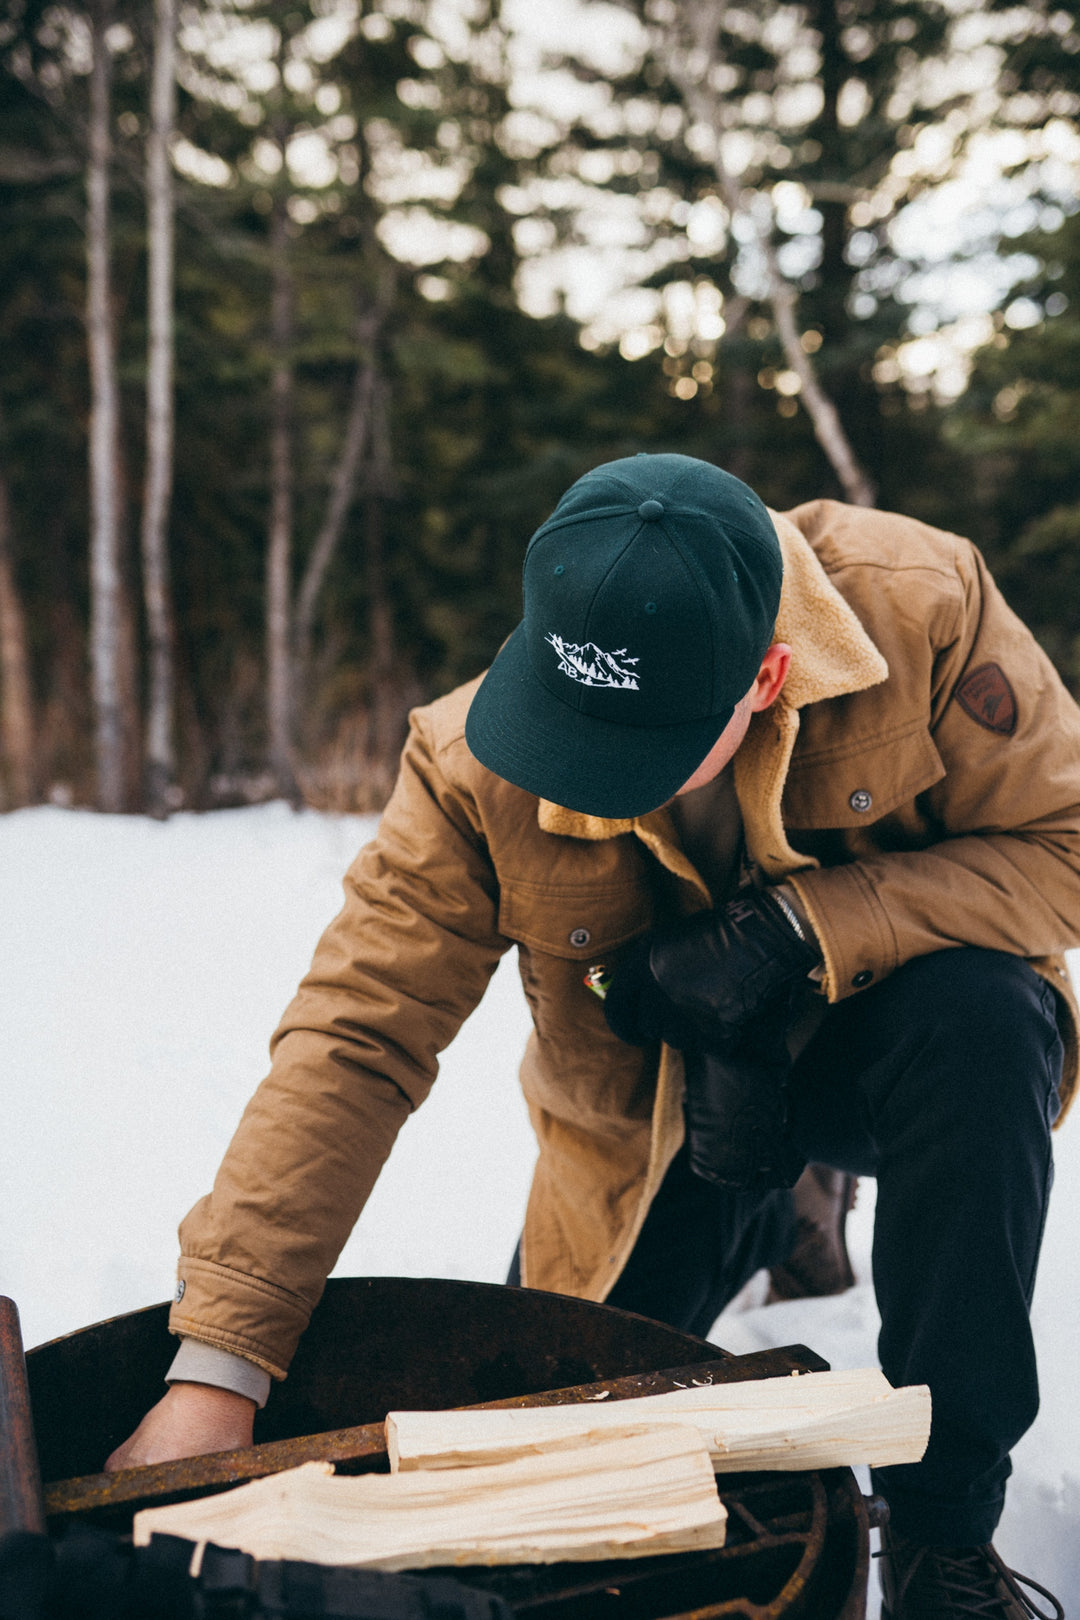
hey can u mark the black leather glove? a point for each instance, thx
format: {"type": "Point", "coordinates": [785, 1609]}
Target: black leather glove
{"type": "Point", "coordinates": [736, 1113]}
{"type": "Point", "coordinates": [636, 1008]}
{"type": "Point", "coordinates": [696, 983]}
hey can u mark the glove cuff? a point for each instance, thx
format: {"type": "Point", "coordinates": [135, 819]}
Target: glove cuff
{"type": "Point", "coordinates": [726, 965]}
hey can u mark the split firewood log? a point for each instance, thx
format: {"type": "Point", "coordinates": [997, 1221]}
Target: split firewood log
{"type": "Point", "coordinates": [623, 1493]}
{"type": "Point", "coordinates": [810, 1420]}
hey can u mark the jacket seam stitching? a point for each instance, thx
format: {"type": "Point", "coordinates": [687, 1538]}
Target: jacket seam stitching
{"type": "Point", "coordinates": [258, 1285]}
{"type": "Point", "coordinates": [866, 745]}
{"type": "Point", "coordinates": [889, 949]}
{"type": "Point", "coordinates": [226, 1339]}
{"type": "Point", "coordinates": [863, 563]}
{"type": "Point", "coordinates": [570, 891]}
{"type": "Point", "coordinates": [838, 966]}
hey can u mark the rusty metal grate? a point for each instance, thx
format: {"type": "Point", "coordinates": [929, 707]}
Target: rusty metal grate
{"type": "Point", "coordinates": [791, 1554]}
{"type": "Point", "coordinates": [798, 1544]}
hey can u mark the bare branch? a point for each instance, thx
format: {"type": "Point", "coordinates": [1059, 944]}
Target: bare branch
{"type": "Point", "coordinates": [342, 493]}
{"type": "Point", "coordinates": [701, 21]}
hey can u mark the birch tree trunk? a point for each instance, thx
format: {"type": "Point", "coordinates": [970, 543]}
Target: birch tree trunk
{"type": "Point", "coordinates": [279, 672]}
{"type": "Point", "coordinates": [701, 22]}
{"type": "Point", "coordinates": [106, 574]}
{"type": "Point", "coordinates": [160, 767]}
{"type": "Point", "coordinates": [16, 701]}
{"type": "Point", "coordinates": [127, 660]}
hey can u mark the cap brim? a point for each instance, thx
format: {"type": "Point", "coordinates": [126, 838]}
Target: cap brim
{"type": "Point", "coordinates": [518, 730]}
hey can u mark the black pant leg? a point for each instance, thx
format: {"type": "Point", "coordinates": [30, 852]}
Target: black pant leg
{"type": "Point", "coordinates": [942, 1081]}
{"type": "Point", "coordinates": [699, 1245]}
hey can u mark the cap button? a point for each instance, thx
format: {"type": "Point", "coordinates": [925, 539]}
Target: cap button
{"type": "Point", "coordinates": [650, 510]}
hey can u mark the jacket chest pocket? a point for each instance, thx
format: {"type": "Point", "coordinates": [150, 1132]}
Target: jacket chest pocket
{"type": "Point", "coordinates": [577, 923]}
{"type": "Point", "coordinates": [859, 784]}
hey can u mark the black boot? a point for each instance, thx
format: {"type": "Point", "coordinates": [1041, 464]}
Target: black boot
{"type": "Point", "coordinates": [818, 1262]}
{"type": "Point", "coordinates": [954, 1583]}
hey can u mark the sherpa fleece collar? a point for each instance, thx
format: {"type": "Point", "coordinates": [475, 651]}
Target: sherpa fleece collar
{"type": "Point", "coordinates": [832, 655]}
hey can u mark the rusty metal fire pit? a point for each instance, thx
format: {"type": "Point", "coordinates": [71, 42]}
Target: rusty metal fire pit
{"type": "Point", "coordinates": [798, 1543]}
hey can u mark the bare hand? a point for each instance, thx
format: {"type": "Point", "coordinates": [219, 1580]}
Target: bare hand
{"type": "Point", "coordinates": [190, 1420]}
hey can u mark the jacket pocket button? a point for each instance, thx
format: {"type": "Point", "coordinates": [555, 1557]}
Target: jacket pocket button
{"type": "Point", "coordinates": [580, 937]}
{"type": "Point", "coordinates": [862, 979]}
{"type": "Point", "coordinates": [181, 1288]}
{"type": "Point", "coordinates": [861, 800]}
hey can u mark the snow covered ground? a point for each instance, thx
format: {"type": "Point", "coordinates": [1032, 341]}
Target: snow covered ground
{"type": "Point", "coordinates": [144, 967]}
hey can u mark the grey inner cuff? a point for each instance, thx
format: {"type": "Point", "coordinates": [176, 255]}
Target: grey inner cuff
{"type": "Point", "coordinates": [198, 1363]}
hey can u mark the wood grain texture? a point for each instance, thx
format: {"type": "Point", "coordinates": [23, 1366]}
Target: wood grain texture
{"type": "Point", "coordinates": [816, 1420]}
{"type": "Point", "coordinates": [621, 1494]}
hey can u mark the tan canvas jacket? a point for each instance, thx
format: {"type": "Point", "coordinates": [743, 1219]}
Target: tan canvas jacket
{"type": "Point", "coordinates": [918, 782]}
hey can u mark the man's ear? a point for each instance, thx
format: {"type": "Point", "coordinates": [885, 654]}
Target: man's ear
{"type": "Point", "coordinates": [771, 676]}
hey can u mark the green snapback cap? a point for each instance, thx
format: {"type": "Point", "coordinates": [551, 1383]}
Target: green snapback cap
{"type": "Point", "coordinates": [650, 598]}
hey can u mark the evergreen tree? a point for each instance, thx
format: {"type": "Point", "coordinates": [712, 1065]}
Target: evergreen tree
{"type": "Point", "coordinates": [1018, 427]}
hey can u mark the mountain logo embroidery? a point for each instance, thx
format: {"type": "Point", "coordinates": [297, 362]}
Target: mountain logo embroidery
{"type": "Point", "coordinates": [988, 698]}
{"type": "Point", "coordinates": [591, 667]}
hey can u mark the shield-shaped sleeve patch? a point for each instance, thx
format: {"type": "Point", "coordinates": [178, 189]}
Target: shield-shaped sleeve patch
{"type": "Point", "coordinates": [986, 695]}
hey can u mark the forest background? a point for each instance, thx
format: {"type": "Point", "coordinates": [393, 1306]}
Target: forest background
{"type": "Point", "coordinates": [310, 310]}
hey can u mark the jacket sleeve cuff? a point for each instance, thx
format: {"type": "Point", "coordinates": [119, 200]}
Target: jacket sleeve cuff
{"type": "Point", "coordinates": [852, 927]}
{"type": "Point", "coordinates": [231, 1310]}
{"type": "Point", "coordinates": [198, 1363]}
